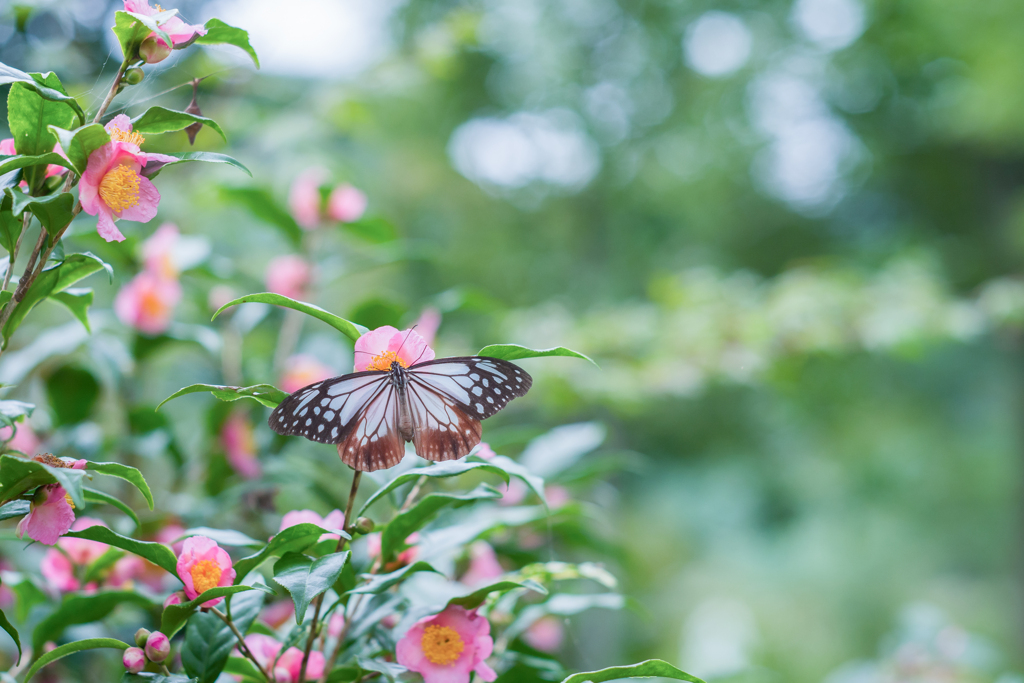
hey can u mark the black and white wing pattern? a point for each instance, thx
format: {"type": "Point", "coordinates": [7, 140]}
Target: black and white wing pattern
{"type": "Point", "coordinates": [358, 412]}
{"type": "Point", "coordinates": [448, 397]}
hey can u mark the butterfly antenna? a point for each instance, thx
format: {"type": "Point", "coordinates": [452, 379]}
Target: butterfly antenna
{"type": "Point", "coordinates": [404, 340]}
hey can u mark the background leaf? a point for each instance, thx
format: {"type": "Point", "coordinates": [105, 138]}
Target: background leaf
{"type": "Point", "coordinates": [293, 539]}
{"type": "Point", "coordinates": [19, 475]}
{"type": "Point", "coordinates": [219, 33]}
{"type": "Point", "coordinates": [157, 553]}
{"type": "Point", "coordinates": [439, 470]}
{"type": "Point", "coordinates": [305, 578]}
{"type": "Point", "coordinates": [130, 474]}
{"type": "Point", "coordinates": [517, 352]}
{"type": "Point", "coordinates": [650, 669]}
{"type": "Point", "coordinates": [164, 120]}
{"type": "Point", "coordinates": [94, 496]}
{"type": "Point", "coordinates": [84, 609]}
{"type": "Point", "coordinates": [175, 616]}
{"type": "Point", "coordinates": [70, 649]}
{"type": "Point", "coordinates": [349, 329]}
{"type": "Point", "coordinates": [154, 167]}
{"type": "Point", "coordinates": [209, 641]}
{"type": "Point", "coordinates": [266, 394]}
{"type": "Point", "coordinates": [405, 523]}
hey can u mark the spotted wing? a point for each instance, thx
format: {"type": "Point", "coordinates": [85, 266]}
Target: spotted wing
{"type": "Point", "coordinates": [358, 412]}
{"type": "Point", "coordinates": [449, 397]}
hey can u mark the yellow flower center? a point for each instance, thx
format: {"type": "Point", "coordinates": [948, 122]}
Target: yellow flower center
{"type": "Point", "coordinates": [131, 136]}
{"type": "Point", "coordinates": [383, 361]}
{"type": "Point", "coordinates": [119, 188]}
{"type": "Point", "coordinates": [441, 645]}
{"type": "Point", "coordinates": [205, 575]}
{"type": "Point", "coordinates": [67, 497]}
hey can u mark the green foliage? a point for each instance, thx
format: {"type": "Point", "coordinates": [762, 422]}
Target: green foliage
{"type": "Point", "coordinates": [163, 120]}
{"type": "Point", "coordinates": [262, 205]}
{"type": "Point", "coordinates": [305, 577]}
{"type": "Point", "coordinates": [77, 300]}
{"type": "Point", "coordinates": [413, 519]}
{"type": "Point", "coordinates": [209, 641]}
{"type": "Point", "coordinates": [42, 86]}
{"type": "Point", "coordinates": [35, 102]}
{"type": "Point", "coordinates": [219, 33]}
{"type": "Point", "coordinates": [70, 649]}
{"type": "Point", "coordinates": [94, 496]}
{"type": "Point", "coordinates": [175, 616]}
{"type": "Point", "coordinates": [378, 583]}
{"type": "Point", "coordinates": [18, 475]}
{"type": "Point", "coordinates": [132, 28]}
{"type": "Point", "coordinates": [144, 677]}
{"type": "Point", "coordinates": [130, 474]}
{"type": "Point", "coordinates": [437, 470]}
{"type": "Point", "coordinates": [154, 167]}
{"type": "Point", "coordinates": [157, 553]}
{"type": "Point", "coordinates": [11, 631]}
{"type": "Point", "coordinates": [517, 352]}
{"type": "Point", "coordinates": [14, 411]}
{"type": "Point", "coordinates": [652, 668]}
{"type": "Point", "coordinates": [263, 393]}
{"type": "Point", "coordinates": [16, 508]}
{"type": "Point", "coordinates": [294, 539]}
{"type": "Point", "coordinates": [13, 163]}
{"type": "Point", "coordinates": [84, 609]}
{"type": "Point", "coordinates": [72, 393]}
{"type": "Point", "coordinates": [79, 143]}
{"type": "Point", "coordinates": [53, 212]}
{"type": "Point", "coordinates": [477, 597]}
{"type": "Point", "coordinates": [351, 330]}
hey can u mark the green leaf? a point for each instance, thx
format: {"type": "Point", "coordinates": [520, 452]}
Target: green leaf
{"type": "Point", "coordinates": [157, 553]}
{"type": "Point", "coordinates": [84, 609]}
{"type": "Point", "coordinates": [20, 475]}
{"type": "Point", "coordinates": [51, 281]}
{"type": "Point", "coordinates": [477, 597]}
{"type": "Point", "coordinates": [291, 540]}
{"type": "Point", "coordinates": [389, 670]}
{"type": "Point", "coordinates": [209, 641]}
{"type": "Point", "coordinates": [12, 632]}
{"type": "Point", "coordinates": [652, 668]}
{"type": "Point", "coordinates": [378, 583]}
{"type": "Point", "coordinates": [13, 163]}
{"type": "Point", "coordinates": [77, 301]}
{"type": "Point", "coordinates": [30, 113]}
{"type": "Point", "coordinates": [452, 468]}
{"type": "Point", "coordinates": [53, 211]}
{"type": "Point", "coordinates": [219, 33]}
{"type": "Point", "coordinates": [223, 536]}
{"type": "Point", "coordinates": [10, 225]}
{"type": "Point", "coordinates": [239, 666]}
{"type": "Point", "coordinates": [516, 352]}
{"type": "Point", "coordinates": [101, 564]}
{"type": "Point", "coordinates": [175, 616]}
{"type": "Point", "coordinates": [154, 167]}
{"type": "Point", "coordinates": [129, 474]}
{"type": "Point", "coordinates": [16, 508]}
{"type": "Point", "coordinates": [375, 230]}
{"type": "Point", "coordinates": [305, 578]}
{"type": "Point", "coordinates": [26, 593]}
{"type": "Point", "coordinates": [266, 394]}
{"type": "Point", "coordinates": [162, 120]}
{"type": "Point", "coordinates": [349, 329]}
{"type": "Point", "coordinates": [40, 86]}
{"type": "Point", "coordinates": [262, 205]}
{"type": "Point", "coordinates": [72, 648]}
{"type": "Point", "coordinates": [513, 468]}
{"type": "Point", "coordinates": [156, 678]}
{"type": "Point", "coordinates": [413, 519]}
{"type": "Point", "coordinates": [131, 29]}
{"type": "Point", "coordinates": [94, 496]}
{"type": "Point", "coordinates": [14, 411]}
{"type": "Point", "coordinates": [79, 143]}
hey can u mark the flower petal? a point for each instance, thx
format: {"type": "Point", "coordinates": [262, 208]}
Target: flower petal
{"type": "Point", "coordinates": [372, 344]}
{"type": "Point", "coordinates": [149, 199]}
{"type": "Point", "coordinates": [105, 225]}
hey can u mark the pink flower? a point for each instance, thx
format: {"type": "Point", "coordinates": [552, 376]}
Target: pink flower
{"type": "Point", "coordinates": [169, 535]}
{"type": "Point", "coordinates": [51, 513]}
{"type": "Point", "coordinates": [131, 568]}
{"type": "Point", "coordinates": [427, 324]}
{"type": "Point", "coordinates": [376, 350]}
{"type": "Point", "coordinates": [158, 646]}
{"type": "Point", "coordinates": [175, 598]}
{"type": "Point", "coordinates": [265, 650]}
{"type": "Point", "coordinates": [58, 567]}
{"type": "Point", "coordinates": [546, 634]}
{"type": "Point", "coordinates": [515, 493]}
{"type": "Point", "coordinates": [177, 30]}
{"type": "Point", "coordinates": [556, 495]}
{"type": "Point", "coordinates": [337, 623]}
{"type": "Point", "coordinates": [484, 451]}
{"type": "Point", "coordinates": [82, 551]}
{"type": "Point", "coordinates": [335, 519]}
{"type": "Point", "coordinates": [448, 647]}
{"type": "Point", "coordinates": [25, 440]}
{"type": "Point", "coordinates": [301, 370]}
{"type": "Point", "coordinates": [346, 204]}
{"type": "Point", "coordinates": [305, 200]}
{"type": "Point", "coordinates": [147, 302]}
{"type": "Point", "coordinates": [483, 565]}
{"type": "Point", "coordinates": [203, 565]}
{"type": "Point", "coordinates": [236, 437]}
{"type": "Point", "coordinates": [407, 556]}
{"type": "Point", "coordinates": [289, 276]}
{"type": "Point", "coordinates": [112, 187]}
{"type": "Point", "coordinates": [158, 251]}
{"type": "Point", "coordinates": [277, 613]}
{"type": "Point", "coordinates": [7, 148]}
{"type": "Point", "coordinates": [134, 659]}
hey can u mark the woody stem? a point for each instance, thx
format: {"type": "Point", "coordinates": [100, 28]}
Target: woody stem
{"type": "Point", "coordinates": [242, 647]}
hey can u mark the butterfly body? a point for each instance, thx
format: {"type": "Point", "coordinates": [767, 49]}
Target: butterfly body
{"type": "Point", "coordinates": [369, 415]}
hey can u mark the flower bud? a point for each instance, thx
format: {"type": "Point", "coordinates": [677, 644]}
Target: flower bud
{"type": "Point", "coordinates": [175, 598]}
{"type": "Point", "coordinates": [141, 636]}
{"type": "Point", "coordinates": [134, 76]}
{"type": "Point", "coordinates": [154, 50]}
{"type": "Point", "coordinates": [158, 647]}
{"type": "Point", "coordinates": [364, 525]}
{"type": "Point", "coordinates": [134, 660]}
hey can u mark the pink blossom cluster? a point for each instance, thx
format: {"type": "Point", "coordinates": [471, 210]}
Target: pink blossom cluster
{"type": "Point", "coordinates": [148, 301]}
{"type": "Point", "coordinates": [313, 202]}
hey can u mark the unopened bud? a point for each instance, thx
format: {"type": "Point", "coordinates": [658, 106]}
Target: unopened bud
{"type": "Point", "coordinates": [175, 598]}
{"type": "Point", "coordinates": [141, 636]}
{"type": "Point", "coordinates": [154, 50]}
{"type": "Point", "coordinates": [364, 525]}
{"type": "Point", "coordinates": [134, 76]}
{"type": "Point", "coordinates": [134, 660]}
{"type": "Point", "coordinates": [158, 647]}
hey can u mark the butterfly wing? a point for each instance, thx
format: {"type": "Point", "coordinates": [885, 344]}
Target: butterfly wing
{"type": "Point", "coordinates": [448, 398]}
{"type": "Point", "coordinates": [358, 412]}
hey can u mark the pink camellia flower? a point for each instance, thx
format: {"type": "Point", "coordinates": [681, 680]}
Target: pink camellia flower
{"type": "Point", "coordinates": [158, 251]}
{"type": "Point", "coordinates": [483, 565]}
{"type": "Point", "coordinates": [335, 519]}
{"type": "Point", "coordinates": [131, 568]}
{"type": "Point", "coordinates": [304, 198]}
{"type": "Point", "coordinates": [147, 302]}
{"type": "Point", "coordinates": [203, 565]}
{"type": "Point", "coordinates": [25, 440]}
{"type": "Point", "coordinates": [276, 614]}
{"type": "Point", "coordinates": [301, 370]}
{"type": "Point", "coordinates": [448, 647]}
{"type": "Point", "coordinates": [376, 350]}
{"type": "Point", "coordinates": [407, 556]}
{"type": "Point", "coordinates": [7, 148]}
{"type": "Point", "coordinates": [289, 276]}
{"type": "Point", "coordinates": [175, 598]}
{"type": "Point", "coordinates": [236, 437]}
{"type": "Point", "coordinates": [58, 566]}
{"type": "Point", "coordinates": [546, 634]}
{"type": "Point", "coordinates": [427, 324]}
{"type": "Point", "coordinates": [158, 646]}
{"type": "Point", "coordinates": [337, 623]}
{"type": "Point", "coordinates": [134, 659]}
{"type": "Point", "coordinates": [112, 187]}
{"type": "Point", "coordinates": [169, 536]}
{"type": "Point", "coordinates": [177, 30]}
{"type": "Point", "coordinates": [287, 668]}
{"type": "Point", "coordinates": [51, 514]}
{"type": "Point", "coordinates": [346, 204]}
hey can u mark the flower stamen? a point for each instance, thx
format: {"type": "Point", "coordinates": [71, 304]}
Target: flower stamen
{"type": "Point", "coordinates": [118, 135]}
{"type": "Point", "coordinates": [205, 575]}
{"type": "Point", "coordinates": [441, 645]}
{"type": "Point", "coordinates": [119, 188]}
{"type": "Point", "coordinates": [383, 361]}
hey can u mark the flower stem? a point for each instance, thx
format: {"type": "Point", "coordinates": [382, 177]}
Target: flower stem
{"type": "Point", "coordinates": [242, 647]}
{"type": "Point", "coordinates": [17, 246]}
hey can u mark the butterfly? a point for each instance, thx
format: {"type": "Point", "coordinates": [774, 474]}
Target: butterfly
{"type": "Point", "coordinates": [437, 405]}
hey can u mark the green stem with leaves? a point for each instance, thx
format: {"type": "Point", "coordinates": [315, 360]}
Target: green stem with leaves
{"type": "Point", "coordinates": [242, 647]}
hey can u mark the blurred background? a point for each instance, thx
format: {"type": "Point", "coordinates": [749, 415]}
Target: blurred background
{"type": "Point", "coordinates": [788, 231]}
